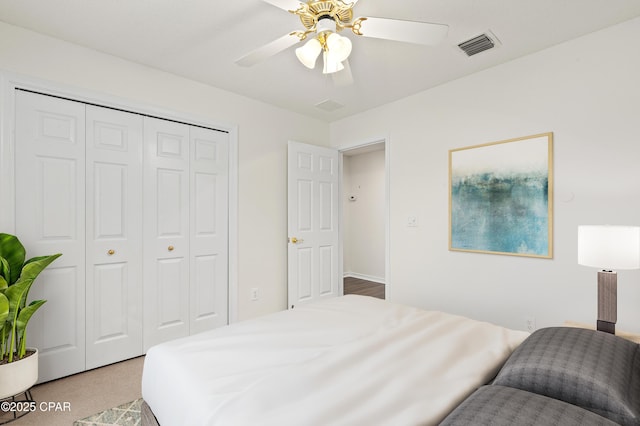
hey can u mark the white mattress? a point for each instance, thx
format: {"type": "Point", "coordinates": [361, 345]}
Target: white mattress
{"type": "Point", "coordinates": [351, 360]}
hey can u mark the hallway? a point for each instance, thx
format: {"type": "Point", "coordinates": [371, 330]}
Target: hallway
{"type": "Point", "coordinates": [363, 287]}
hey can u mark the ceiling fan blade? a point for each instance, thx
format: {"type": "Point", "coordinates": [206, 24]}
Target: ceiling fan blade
{"type": "Point", "coordinates": [268, 50]}
{"type": "Point", "coordinates": [406, 31]}
{"type": "Point", "coordinates": [284, 4]}
{"type": "Point", "coordinates": [343, 78]}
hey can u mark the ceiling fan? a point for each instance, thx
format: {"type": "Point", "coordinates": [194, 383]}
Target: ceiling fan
{"type": "Point", "coordinates": [323, 19]}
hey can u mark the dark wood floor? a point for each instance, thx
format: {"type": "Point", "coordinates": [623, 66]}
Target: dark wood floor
{"type": "Point", "coordinates": [363, 287]}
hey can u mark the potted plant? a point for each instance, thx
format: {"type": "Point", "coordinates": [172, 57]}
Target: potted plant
{"type": "Point", "coordinates": [18, 365]}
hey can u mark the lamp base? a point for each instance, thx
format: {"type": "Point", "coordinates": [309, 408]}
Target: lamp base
{"type": "Point", "coordinates": [607, 301]}
{"type": "Point", "coordinates": [607, 327]}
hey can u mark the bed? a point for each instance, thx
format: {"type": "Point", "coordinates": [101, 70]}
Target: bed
{"type": "Point", "coordinates": [351, 360]}
{"type": "Point", "coordinates": [357, 360]}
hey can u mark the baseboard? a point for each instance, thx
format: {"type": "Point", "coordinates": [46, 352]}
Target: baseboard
{"type": "Point", "coordinates": [364, 277]}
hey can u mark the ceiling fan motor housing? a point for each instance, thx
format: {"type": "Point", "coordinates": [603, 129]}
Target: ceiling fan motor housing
{"type": "Point", "coordinates": [311, 13]}
{"type": "Point", "coordinates": [326, 24]}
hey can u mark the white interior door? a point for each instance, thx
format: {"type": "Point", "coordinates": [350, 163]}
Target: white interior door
{"type": "Point", "coordinates": [313, 224]}
{"type": "Point", "coordinates": [166, 231]}
{"type": "Point", "coordinates": [209, 170]}
{"type": "Point", "coordinates": [50, 201]}
{"type": "Point", "coordinates": [114, 235]}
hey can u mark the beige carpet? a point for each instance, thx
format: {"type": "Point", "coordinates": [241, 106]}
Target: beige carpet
{"type": "Point", "coordinates": [87, 393]}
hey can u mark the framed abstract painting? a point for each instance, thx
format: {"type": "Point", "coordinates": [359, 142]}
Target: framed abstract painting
{"type": "Point", "coordinates": [501, 197]}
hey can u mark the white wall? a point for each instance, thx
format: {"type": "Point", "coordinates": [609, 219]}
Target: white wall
{"type": "Point", "coordinates": [364, 228]}
{"type": "Point", "coordinates": [587, 93]}
{"type": "Point", "coordinates": [263, 134]}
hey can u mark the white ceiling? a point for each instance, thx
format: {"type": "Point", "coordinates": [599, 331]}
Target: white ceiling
{"type": "Point", "coordinates": [201, 39]}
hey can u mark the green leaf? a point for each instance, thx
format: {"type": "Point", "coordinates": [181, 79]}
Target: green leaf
{"type": "Point", "coordinates": [4, 334]}
{"type": "Point", "coordinates": [4, 309]}
{"type": "Point", "coordinates": [4, 324]}
{"type": "Point", "coordinates": [3, 284]}
{"type": "Point", "coordinates": [21, 325]}
{"type": "Point", "coordinates": [15, 294]}
{"type": "Point", "coordinates": [4, 268]}
{"type": "Point", "coordinates": [25, 316]}
{"type": "Point", "coordinates": [14, 252]}
{"type": "Point", "coordinates": [30, 272]}
{"type": "Point", "coordinates": [34, 266]}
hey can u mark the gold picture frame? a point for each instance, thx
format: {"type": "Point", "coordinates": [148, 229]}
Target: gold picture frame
{"type": "Point", "coordinates": [501, 197]}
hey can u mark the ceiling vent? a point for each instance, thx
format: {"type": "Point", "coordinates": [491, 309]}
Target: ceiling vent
{"type": "Point", "coordinates": [478, 44]}
{"type": "Point", "coordinates": [329, 105]}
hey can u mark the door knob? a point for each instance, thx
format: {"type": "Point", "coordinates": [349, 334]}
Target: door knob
{"type": "Point", "coordinates": [294, 240]}
{"type": "Point", "coordinates": [170, 248]}
{"type": "Point", "coordinates": [111, 252]}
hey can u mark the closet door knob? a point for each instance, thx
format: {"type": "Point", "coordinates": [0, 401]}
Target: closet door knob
{"type": "Point", "coordinates": [170, 248]}
{"type": "Point", "coordinates": [111, 252]}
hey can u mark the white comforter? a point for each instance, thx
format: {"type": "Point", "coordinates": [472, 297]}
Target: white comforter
{"type": "Point", "coordinates": [351, 360]}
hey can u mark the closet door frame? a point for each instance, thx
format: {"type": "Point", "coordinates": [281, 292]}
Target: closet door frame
{"type": "Point", "coordinates": [10, 82]}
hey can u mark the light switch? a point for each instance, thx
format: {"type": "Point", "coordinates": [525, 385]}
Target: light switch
{"type": "Point", "coordinates": [412, 221]}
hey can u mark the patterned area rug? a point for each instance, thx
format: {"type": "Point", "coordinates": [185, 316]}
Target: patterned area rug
{"type": "Point", "coordinates": [124, 415]}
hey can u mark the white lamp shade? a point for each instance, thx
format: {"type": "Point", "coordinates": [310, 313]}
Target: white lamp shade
{"type": "Point", "coordinates": [308, 54]}
{"type": "Point", "coordinates": [609, 247]}
{"type": "Point", "coordinates": [331, 65]}
{"type": "Point", "coordinates": [339, 47]}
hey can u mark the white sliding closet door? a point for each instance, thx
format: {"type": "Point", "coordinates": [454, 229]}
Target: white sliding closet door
{"type": "Point", "coordinates": [138, 206]}
{"type": "Point", "coordinates": [209, 225]}
{"type": "Point", "coordinates": [114, 235]}
{"type": "Point", "coordinates": [166, 231]}
{"type": "Point", "coordinates": [50, 218]}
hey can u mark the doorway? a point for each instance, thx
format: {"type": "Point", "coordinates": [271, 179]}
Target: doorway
{"type": "Point", "coordinates": [365, 219]}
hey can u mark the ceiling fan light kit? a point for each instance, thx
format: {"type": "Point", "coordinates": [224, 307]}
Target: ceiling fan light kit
{"type": "Point", "coordinates": [324, 19]}
{"type": "Point", "coordinates": [335, 47]}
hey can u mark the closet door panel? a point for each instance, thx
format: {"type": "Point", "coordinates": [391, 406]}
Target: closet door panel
{"type": "Point", "coordinates": [61, 283]}
{"type": "Point", "coordinates": [170, 194]}
{"type": "Point", "coordinates": [50, 199]}
{"type": "Point", "coordinates": [209, 224]}
{"type": "Point", "coordinates": [170, 272]}
{"type": "Point", "coordinates": [114, 235]}
{"type": "Point", "coordinates": [166, 231]}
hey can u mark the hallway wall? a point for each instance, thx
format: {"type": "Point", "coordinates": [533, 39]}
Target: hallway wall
{"type": "Point", "coordinates": [364, 217]}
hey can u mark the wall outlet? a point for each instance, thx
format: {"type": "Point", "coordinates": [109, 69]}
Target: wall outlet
{"type": "Point", "coordinates": [530, 324]}
{"type": "Point", "coordinates": [254, 294]}
{"type": "Point", "coordinates": [412, 221]}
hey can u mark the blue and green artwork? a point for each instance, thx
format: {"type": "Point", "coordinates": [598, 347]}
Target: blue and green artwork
{"type": "Point", "coordinates": [500, 197]}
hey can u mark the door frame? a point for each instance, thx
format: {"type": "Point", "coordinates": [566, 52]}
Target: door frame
{"type": "Point", "coordinates": [9, 82]}
{"type": "Point", "coordinates": [387, 208]}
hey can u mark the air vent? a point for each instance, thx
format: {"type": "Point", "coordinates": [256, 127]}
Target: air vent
{"type": "Point", "coordinates": [477, 44]}
{"type": "Point", "coordinates": [329, 105]}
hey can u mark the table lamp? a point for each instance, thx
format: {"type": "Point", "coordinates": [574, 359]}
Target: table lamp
{"type": "Point", "coordinates": [608, 248]}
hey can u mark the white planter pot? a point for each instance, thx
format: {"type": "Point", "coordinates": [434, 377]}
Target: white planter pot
{"type": "Point", "coordinates": [18, 376]}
